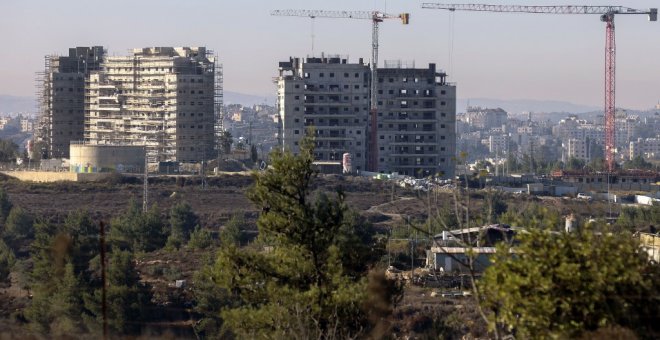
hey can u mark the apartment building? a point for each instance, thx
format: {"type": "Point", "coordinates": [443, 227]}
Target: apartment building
{"type": "Point", "coordinates": [648, 148]}
{"type": "Point", "coordinates": [416, 114]}
{"type": "Point", "coordinates": [160, 97]}
{"type": "Point", "coordinates": [577, 148]}
{"type": "Point", "coordinates": [416, 121]}
{"type": "Point", "coordinates": [61, 95]}
{"type": "Point", "coordinates": [332, 96]}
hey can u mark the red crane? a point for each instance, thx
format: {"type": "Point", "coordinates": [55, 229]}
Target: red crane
{"type": "Point", "coordinates": [607, 14]}
{"type": "Point", "coordinates": [376, 18]}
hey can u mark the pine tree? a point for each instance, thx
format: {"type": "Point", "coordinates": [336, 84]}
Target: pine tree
{"type": "Point", "coordinates": [301, 284]}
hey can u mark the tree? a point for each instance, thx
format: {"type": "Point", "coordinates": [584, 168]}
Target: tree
{"type": "Point", "coordinates": [7, 261]}
{"type": "Point", "coordinates": [200, 238]}
{"type": "Point", "coordinates": [559, 285]}
{"type": "Point", "coordinates": [18, 227]}
{"type": "Point", "coordinates": [254, 155]}
{"type": "Point", "coordinates": [298, 286]}
{"type": "Point", "coordinates": [231, 232]}
{"type": "Point", "coordinates": [137, 230]}
{"type": "Point", "coordinates": [575, 164]}
{"type": "Point", "coordinates": [226, 140]}
{"type": "Point", "coordinates": [8, 150]}
{"type": "Point", "coordinates": [5, 205]}
{"type": "Point", "coordinates": [182, 222]}
{"type": "Point", "coordinates": [637, 163]}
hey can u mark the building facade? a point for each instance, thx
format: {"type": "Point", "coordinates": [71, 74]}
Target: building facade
{"type": "Point", "coordinates": [332, 96]}
{"type": "Point", "coordinates": [61, 97]}
{"type": "Point", "coordinates": [416, 114]}
{"type": "Point", "coordinates": [416, 131]}
{"type": "Point", "coordinates": [160, 97]}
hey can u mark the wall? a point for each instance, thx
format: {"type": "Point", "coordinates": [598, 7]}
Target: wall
{"type": "Point", "coordinates": [47, 176]}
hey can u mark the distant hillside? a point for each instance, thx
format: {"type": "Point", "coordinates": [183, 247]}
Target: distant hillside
{"type": "Point", "coordinates": [15, 104]}
{"type": "Point", "coordinates": [518, 106]}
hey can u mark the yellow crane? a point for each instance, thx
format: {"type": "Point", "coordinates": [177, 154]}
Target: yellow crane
{"type": "Point", "coordinates": [376, 18]}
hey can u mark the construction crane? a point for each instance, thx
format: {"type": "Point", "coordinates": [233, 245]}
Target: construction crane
{"type": "Point", "coordinates": [607, 14]}
{"type": "Point", "coordinates": [376, 18]}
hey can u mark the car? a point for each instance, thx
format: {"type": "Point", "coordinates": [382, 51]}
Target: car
{"type": "Point", "coordinates": [584, 196]}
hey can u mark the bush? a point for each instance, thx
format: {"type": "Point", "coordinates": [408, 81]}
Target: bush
{"type": "Point", "coordinates": [200, 238]}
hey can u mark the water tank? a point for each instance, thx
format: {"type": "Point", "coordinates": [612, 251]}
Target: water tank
{"type": "Point", "coordinates": [347, 163]}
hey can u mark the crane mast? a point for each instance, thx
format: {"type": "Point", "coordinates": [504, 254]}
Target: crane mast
{"type": "Point", "coordinates": [376, 18]}
{"type": "Point", "coordinates": [607, 14]}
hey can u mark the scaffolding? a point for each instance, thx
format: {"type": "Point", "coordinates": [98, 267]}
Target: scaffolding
{"type": "Point", "coordinates": [44, 103]}
{"type": "Point", "coordinates": [148, 98]}
{"type": "Point", "coordinates": [218, 106]}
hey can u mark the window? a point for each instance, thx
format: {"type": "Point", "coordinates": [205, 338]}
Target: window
{"type": "Point", "coordinates": [442, 137]}
{"type": "Point", "coordinates": [296, 132]}
{"type": "Point", "coordinates": [321, 75]}
{"type": "Point", "coordinates": [297, 97]}
{"type": "Point", "coordinates": [345, 75]}
{"type": "Point", "coordinates": [332, 75]}
{"type": "Point", "coordinates": [443, 92]}
{"type": "Point", "coordinates": [357, 87]}
{"type": "Point", "coordinates": [443, 103]}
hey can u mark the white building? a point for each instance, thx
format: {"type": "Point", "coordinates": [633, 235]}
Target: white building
{"type": "Point", "coordinates": [648, 148]}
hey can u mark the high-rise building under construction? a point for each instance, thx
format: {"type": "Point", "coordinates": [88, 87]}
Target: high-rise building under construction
{"type": "Point", "coordinates": [416, 115]}
{"type": "Point", "coordinates": [61, 95]}
{"type": "Point", "coordinates": [168, 99]}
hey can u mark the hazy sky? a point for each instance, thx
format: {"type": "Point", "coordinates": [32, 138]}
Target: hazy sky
{"type": "Point", "coordinates": [495, 55]}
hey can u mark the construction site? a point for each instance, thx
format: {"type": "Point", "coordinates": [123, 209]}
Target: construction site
{"type": "Point", "coordinates": [166, 99]}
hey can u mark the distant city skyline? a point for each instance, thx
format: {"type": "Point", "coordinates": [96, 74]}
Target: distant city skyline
{"type": "Point", "coordinates": [503, 56]}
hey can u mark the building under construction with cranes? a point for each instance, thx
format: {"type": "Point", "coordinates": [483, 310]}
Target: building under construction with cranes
{"type": "Point", "coordinates": [416, 116]}
{"type": "Point", "coordinates": [168, 99]}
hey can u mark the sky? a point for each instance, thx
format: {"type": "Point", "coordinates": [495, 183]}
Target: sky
{"type": "Point", "coordinates": [493, 55]}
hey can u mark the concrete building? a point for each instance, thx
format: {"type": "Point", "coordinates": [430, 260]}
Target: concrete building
{"type": "Point", "coordinates": [648, 148]}
{"type": "Point", "coordinates": [416, 114]}
{"type": "Point", "coordinates": [577, 148]}
{"type": "Point", "coordinates": [416, 122]}
{"type": "Point", "coordinates": [332, 95]}
{"type": "Point", "coordinates": [161, 97]}
{"type": "Point", "coordinates": [483, 118]}
{"type": "Point", "coordinates": [497, 144]}
{"type": "Point", "coordinates": [61, 95]}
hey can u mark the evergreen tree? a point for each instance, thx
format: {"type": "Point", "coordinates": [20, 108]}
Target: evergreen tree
{"type": "Point", "coordinates": [559, 285]}
{"type": "Point", "coordinates": [231, 232]}
{"type": "Point", "coordinates": [138, 231]}
{"type": "Point", "coordinates": [182, 222]}
{"type": "Point", "coordinates": [301, 285]}
{"type": "Point", "coordinates": [18, 227]}
{"type": "Point", "coordinates": [200, 238]}
{"type": "Point", "coordinates": [5, 205]}
{"type": "Point", "coordinates": [7, 261]}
